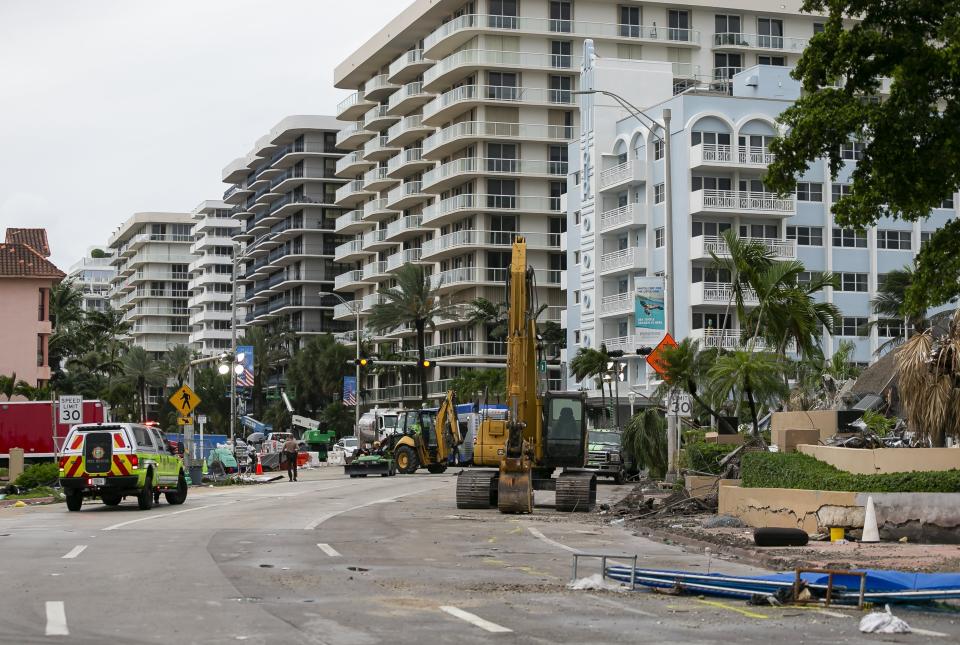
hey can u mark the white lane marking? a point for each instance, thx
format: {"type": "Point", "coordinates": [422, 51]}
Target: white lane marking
{"type": "Point", "coordinates": [155, 517]}
{"type": "Point", "coordinates": [927, 632]}
{"type": "Point", "coordinates": [535, 532]}
{"type": "Point", "coordinates": [475, 620]}
{"type": "Point", "coordinates": [56, 619]}
{"type": "Point", "coordinates": [74, 552]}
{"type": "Point", "coordinates": [329, 550]}
{"type": "Point", "coordinates": [622, 607]}
{"type": "Point", "coordinates": [386, 500]}
{"type": "Point", "coordinates": [833, 614]}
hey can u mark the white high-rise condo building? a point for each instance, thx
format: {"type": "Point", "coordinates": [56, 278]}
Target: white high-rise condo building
{"type": "Point", "coordinates": [92, 276]}
{"type": "Point", "coordinates": [457, 134]}
{"type": "Point", "coordinates": [211, 277]}
{"type": "Point", "coordinates": [151, 252]}
{"type": "Point", "coordinates": [283, 193]}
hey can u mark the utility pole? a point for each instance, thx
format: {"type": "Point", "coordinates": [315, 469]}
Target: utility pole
{"type": "Point", "coordinates": [673, 438]}
{"type": "Point", "coordinates": [233, 345]}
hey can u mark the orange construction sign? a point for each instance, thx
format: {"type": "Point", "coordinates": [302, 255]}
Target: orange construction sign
{"type": "Point", "coordinates": [655, 359]}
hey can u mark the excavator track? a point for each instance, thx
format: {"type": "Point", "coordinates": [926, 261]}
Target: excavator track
{"type": "Point", "coordinates": [477, 489]}
{"type": "Point", "coordinates": [576, 492]}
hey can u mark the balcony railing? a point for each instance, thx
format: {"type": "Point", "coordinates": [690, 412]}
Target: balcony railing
{"type": "Point", "coordinates": [405, 157]}
{"type": "Point", "coordinates": [628, 258]}
{"type": "Point", "coordinates": [759, 41]}
{"type": "Point", "coordinates": [497, 57]}
{"type": "Point", "coordinates": [497, 93]}
{"type": "Point", "coordinates": [469, 275]}
{"type": "Point", "coordinates": [348, 278]}
{"type": "Point", "coordinates": [412, 57]}
{"type": "Point", "coordinates": [406, 256]}
{"type": "Point", "coordinates": [720, 293]}
{"type": "Point", "coordinates": [473, 237]}
{"type": "Point", "coordinates": [471, 202]}
{"type": "Point", "coordinates": [348, 219]}
{"type": "Point", "coordinates": [621, 216]}
{"type": "Point", "coordinates": [703, 245]}
{"type": "Point", "coordinates": [409, 90]}
{"type": "Point", "coordinates": [742, 200]}
{"type": "Point", "coordinates": [620, 303]}
{"type": "Point", "coordinates": [496, 130]}
{"type": "Point", "coordinates": [711, 153]}
{"type": "Point", "coordinates": [493, 166]}
{"type": "Point", "coordinates": [624, 172]}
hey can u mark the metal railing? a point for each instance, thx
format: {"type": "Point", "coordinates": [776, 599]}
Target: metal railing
{"type": "Point", "coordinates": [411, 57]}
{"type": "Point", "coordinates": [619, 216]}
{"type": "Point", "coordinates": [473, 237]}
{"type": "Point", "coordinates": [493, 165]}
{"type": "Point", "coordinates": [722, 293]}
{"type": "Point", "coordinates": [759, 41]}
{"type": "Point", "coordinates": [742, 200]}
{"type": "Point", "coordinates": [780, 248]}
{"type": "Point", "coordinates": [471, 201]}
{"type": "Point", "coordinates": [497, 130]}
{"type": "Point", "coordinates": [495, 57]}
{"type": "Point", "coordinates": [617, 303]}
{"type": "Point", "coordinates": [622, 259]}
{"type": "Point", "coordinates": [497, 93]}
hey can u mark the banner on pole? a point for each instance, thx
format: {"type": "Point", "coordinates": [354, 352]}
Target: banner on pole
{"type": "Point", "coordinates": [349, 390]}
{"type": "Point", "coordinates": [650, 304]}
{"type": "Point", "coordinates": [245, 362]}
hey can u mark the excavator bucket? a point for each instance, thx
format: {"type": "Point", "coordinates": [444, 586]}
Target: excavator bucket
{"type": "Point", "coordinates": [515, 488]}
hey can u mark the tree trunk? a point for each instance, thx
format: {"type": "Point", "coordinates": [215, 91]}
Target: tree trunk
{"type": "Point", "coordinates": [603, 398]}
{"type": "Point", "coordinates": [753, 407]}
{"type": "Point", "coordinates": [142, 392]}
{"type": "Point", "coordinates": [422, 353]}
{"type": "Point", "coordinates": [692, 390]}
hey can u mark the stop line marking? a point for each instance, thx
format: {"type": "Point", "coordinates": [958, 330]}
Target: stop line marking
{"type": "Point", "coordinates": [74, 552]}
{"type": "Point", "coordinates": [56, 619]}
{"type": "Point", "coordinates": [329, 550]}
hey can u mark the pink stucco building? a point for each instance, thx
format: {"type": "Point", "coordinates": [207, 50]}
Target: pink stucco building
{"type": "Point", "coordinates": [26, 277]}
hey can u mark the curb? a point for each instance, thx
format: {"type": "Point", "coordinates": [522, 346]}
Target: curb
{"type": "Point", "coordinates": [35, 501]}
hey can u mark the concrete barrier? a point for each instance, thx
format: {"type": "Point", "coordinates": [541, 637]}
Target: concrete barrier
{"type": "Point", "coordinates": [885, 460]}
{"type": "Point", "coordinates": [15, 464]}
{"type": "Point", "coordinates": [823, 421]}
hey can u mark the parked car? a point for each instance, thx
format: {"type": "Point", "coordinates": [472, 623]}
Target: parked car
{"type": "Point", "coordinates": [348, 446]}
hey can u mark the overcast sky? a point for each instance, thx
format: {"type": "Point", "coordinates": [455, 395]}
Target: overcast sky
{"type": "Point", "coordinates": [110, 107]}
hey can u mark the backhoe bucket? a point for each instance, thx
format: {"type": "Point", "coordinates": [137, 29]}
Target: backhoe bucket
{"type": "Point", "coordinates": [515, 488]}
{"type": "Point", "coordinates": [370, 465]}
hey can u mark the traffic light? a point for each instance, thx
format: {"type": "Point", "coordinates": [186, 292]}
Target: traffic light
{"type": "Point", "coordinates": [363, 362]}
{"type": "Point", "coordinates": [617, 353]}
{"type": "Point", "coordinates": [644, 351]}
{"type": "Point", "coordinates": [424, 364]}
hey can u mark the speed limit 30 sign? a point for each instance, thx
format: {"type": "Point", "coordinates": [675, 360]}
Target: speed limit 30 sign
{"type": "Point", "coordinates": [71, 409]}
{"type": "Point", "coordinates": [679, 405]}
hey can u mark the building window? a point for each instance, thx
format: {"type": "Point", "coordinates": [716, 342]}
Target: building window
{"type": "Point", "coordinates": [804, 278]}
{"type": "Point", "coordinates": [818, 28]}
{"type": "Point", "coordinates": [658, 149]}
{"type": "Point", "coordinates": [809, 192]}
{"type": "Point", "coordinates": [576, 297]}
{"type": "Point", "coordinates": [561, 88]}
{"type": "Point", "coordinates": [576, 337]}
{"type": "Point", "coordinates": [710, 183]}
{"type": "Point", "coordinates": [947, 203]}
{"type": "Point", "coordinates": [560, 53]}
{"type": "Point", "coordinates": [561, 15]}
{"type": "Point", "coordinates": [576, 257]}
{"type": "Point", "coordinates": [629, 22]}
{"type": "Point", "coordinates": [710, 229]}
{"type": "Point", "coordinates": [806, 235]}
{"type": "Point", "coordinates": [711, 321]}
{"type": "Point", "coordinates": [894, 240]}
{"type": "Point", "coordinates": [726, 65]}
{"type": "Point", "coordinates": [851, 151]}
{"type": "Point", "coordinates": [658, 238]}
{"type": "Point", "coordinates": [849, 238]}
{"type": "Point", "coordinates": [770, 33]}
{"type": "Point", "coordinates": [710, 274]}
{"type": "Point", "coordinates": [629, 51]}
{"type": "Point", "coordinates": [853, 326]}
{"type": "Point", "coordinates": [576, 218]}
{"type": "Point", "coordinates": [503, 14]}
{"type": "Point", "coordinates": [709, 138]}
{"type": "Point", "coordinates": [924, 237]}
{"type": "Point", "coordinates": [557, 160]}
{"type": "Point", "coordinates": [777, 61]}
{"type": "Point", "coordinates": [659, 194]}
{"type": "Point", "coordinates": [678, 23]}
{"type": "Point", "coordinates": [42, 306]}
{"type": "Point", "coordinates": [727, 29]}
{"type": "Point", "coordinates": [839, 190]}
{"type": "Point", "coordinates": [890, 328]}
{"type": "Point", "coordinates": [856, 282]}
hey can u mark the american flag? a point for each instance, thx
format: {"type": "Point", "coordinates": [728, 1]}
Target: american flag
{"type": "Point", "coordinates": [245, 379]}
{"type": "Point", "coordinates": [349, 390]}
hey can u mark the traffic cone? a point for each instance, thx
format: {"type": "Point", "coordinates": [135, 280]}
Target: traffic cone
{"type": "Point", "coordinates": [870, 531]}
{"type": "Point", "coordinates": [259, 467]}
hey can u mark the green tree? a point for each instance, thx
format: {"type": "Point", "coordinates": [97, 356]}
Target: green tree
{"type": "Point", "coordinates": [489, 315]}
{"type": "Point", "coordinates": [645, 437]}
{"type": "Point", "coordinates": [339, 418]}
{"type": "Point", "coordinates": [98, 253]}
{"type": "Point", "coordinates": [910, 161]}
{"type": "Point", "coordinates": [591, 363]}
{"type": "Point", "coordinates": [684, 368]}
{"type": "Point", "coordinates": [271, 349]}
{"type": "Point", "coordinates": [176, 363]}
{"type": "Point", "coordinates": [554, 338]}
{"type": "Point", "coordinates": [412, 301]}
{"type": "Point", "coordinates": [213, 389]}
{"type": "Point", "coordinates": [754, 376]}
{"type": "Point", "coordinates": [891, 303]}
{"type": "Point", "coordinates": [469, 383]}
{"type": "Point", "coordinates": [315, 376]}
{"type": "Point", "coordinates": [744, 261]}
{"type": "Point", "coordinates": [142, 371]}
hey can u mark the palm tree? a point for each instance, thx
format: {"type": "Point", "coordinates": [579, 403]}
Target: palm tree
{"type": "Point", "coordinates": [758, 376]}
{"type": "Point", "coordinates": [890, 303]}
{"type": "Point", "coordinates": [142, 371]}
{"type": "Point", "coordinates": [747, 259]}
{"type": "Point", "coordinates": [271, 348]}
{"type": "Point", "coordinates": [490, 315]}
{"type": "Point", "coordinates": [645, 437]}
{"type": "Point", "coordinates": [684, 366]}
{"type": "Point", "coordinates": [591, 363]}
{"type": "Point", "coordinates": [66, 304]}
{"type": "Point", "coordinates": [177, 363]}
{"type": "Point", "coordinates": [411, 301]}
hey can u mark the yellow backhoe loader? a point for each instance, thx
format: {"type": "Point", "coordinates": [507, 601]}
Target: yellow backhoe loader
{"type": "Point", "coordinates": [426, 438]}
{"type": "Point", "coordinates": [543, 431]}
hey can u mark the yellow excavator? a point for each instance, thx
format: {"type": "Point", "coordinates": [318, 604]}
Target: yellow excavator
{"type": "Point", "coordinates": [426, 438]}
{"type": "Point", "coordinates": [542, 431]}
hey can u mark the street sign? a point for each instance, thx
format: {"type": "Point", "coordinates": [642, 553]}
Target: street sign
{"type": "Point", "coordinates": [541, 366]}
{"type": "Point", "coordinates": [655, 359]}
{"type": "Point", "coordinates": [201, 419]}
{"type": "Point", "coordinates": [679, 404]}
{"type": "Point", "coordinates": [184, 421]}
{"type": "Point", "coordinates": [185, 400]}
{"type": "Point", "coordinates": [71, 409]}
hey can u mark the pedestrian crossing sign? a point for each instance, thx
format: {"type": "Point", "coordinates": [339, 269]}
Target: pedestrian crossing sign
{"type": "Point", "coordinates": [185, 400]}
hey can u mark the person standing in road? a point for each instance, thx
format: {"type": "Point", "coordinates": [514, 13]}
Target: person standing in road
{"type": "Point", "coordinates": [290, 450]}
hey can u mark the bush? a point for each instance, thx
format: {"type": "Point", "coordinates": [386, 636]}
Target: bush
{"type": "Point", "coordinates": [38, 475]}
{"type": "Point", "coordinates": [704, 457]}
{"type": "Point", "coordinates": [796, 470]}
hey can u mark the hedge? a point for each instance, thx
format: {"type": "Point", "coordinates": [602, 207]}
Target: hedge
{"type": "Point", "coordinates": [796, 470]}
{"type": "Point", "coordinates": [43, 474]}
{"type": "Point", "coordinates": [704, 457]}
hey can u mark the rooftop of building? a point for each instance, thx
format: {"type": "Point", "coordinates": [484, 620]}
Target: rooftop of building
{"type": "Point", "coordinates": [288, 129]}
{"type": "Point", "coordinates": [24, 255]}
{"type": "Point", "coordinates": [126, 230]}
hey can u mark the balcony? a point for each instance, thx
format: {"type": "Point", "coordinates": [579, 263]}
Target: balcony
{"type": "Point", "coordinates": [459, 241]}
{"type": "Point", "coordinates": [406, 195]}
{"type": "Point", "coordinates": [407, 99]}
{"type": "Point", "coordinates": [742, 202]}
{"type": "Point", "coordinates": [404, 228]}
{"type": "Point", "coordinates": [352, 193]}
{"type": "Point", "coordinates": [463, 277]}
{"type": "Point", "coordinates": [623, 174]}
{"type": "Point", "coordinates": [377, 179]}
{"type": "Point", "coordinates": [377, 119]}
{"type": "Point", "coordinates": [353, 136]}
{"type": "Point", "coordinates": [407, 256]}
{"type": "Point", "coordinates": [627, 344]}
{"type": "Point", "coordinates": [407, 163]}
{"type": "Point", "coordinates": [375, 240]}
{"type": "Point", "coordinates": [378, 149]}
{"type": "Point", "coordinates": [378, 88]}
{"type": "Point", "coordinates": [628, 216]}
{"type": "Point", "coordinates": [457, 32]}
{"type": "Point", "coordinates": [408, 66]}
{"type": "Point", "coordinates": [702, 246]}
{"type": "Point", "coordinates": [442, 142]}
{"type": "Point", "coordinates": [449, 209]}
{"type": "Point", "coordinates": [711, 155]}
{"type": "Point", "coordinates": [376, 210]}
{"type": "Point", "coordinates": [407, 131]}
{"type": "Point", "coordinates": [459, 64]}
{"type": "Point", "coordinates": [718, 293]}
{"type": "Point", "coordinates": [466, 168]}
{"type": "Point", "coordinates": [461, 98]}
{"type": "Point", "coordinates": [370, 301]}
{"type": "Point", "coordinates": [351, 223]}
{"type": "Point", "coordinates": [352, 107]}
{"type": "Point", "coordinates": [349, 165]}
{"type": "Point", "coordinates": [617, 305]}
{"type": "Point", "coordinates": [762, 42]}
{"type": "Point", "coordinates": [375, 271]}
{"type": "Point", "coordinates": [350, 252]}
{"type": "Point", "coordinates": [349, 281]}
{"type": "Point", "coordinates": [466, 348]}
{"type": "Point", "coordinates": [346, 310]}
{"type": "Point", "coordinates": [630, 259]}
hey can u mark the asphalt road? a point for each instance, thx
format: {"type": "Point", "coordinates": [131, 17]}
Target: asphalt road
{"type": "Point", "coordinates": [343, 561]}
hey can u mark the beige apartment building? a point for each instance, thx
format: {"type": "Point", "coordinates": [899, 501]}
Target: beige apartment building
{"type": "Point", "coordinates": [457, 133]}
{"type": "Point", "coordinates": [151, 252]}
{"type": "Point", "coordinates": [211, 278]}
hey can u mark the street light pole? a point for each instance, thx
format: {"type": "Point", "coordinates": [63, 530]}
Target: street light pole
{"type": "Point", "coordinates": [233, 346]}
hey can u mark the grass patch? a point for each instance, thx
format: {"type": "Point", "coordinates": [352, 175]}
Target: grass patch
{"type": "Point", "coordinates": [796, 470]}
{"type": "Point", "coordinates": [41, 491]}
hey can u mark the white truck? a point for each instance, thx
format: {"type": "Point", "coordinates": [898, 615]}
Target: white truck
{"type": "Point", "coordinates": [377, 424]}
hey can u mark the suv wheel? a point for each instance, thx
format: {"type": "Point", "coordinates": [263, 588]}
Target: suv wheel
{"type": "Point", "coordinates": [180, 496]}
{"type": "Point", "coordinates": [145, 496]}
{"type": "Point", "coordinates": [620, 477]}
{"type": "Point", "coordinates": [74, 500]}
